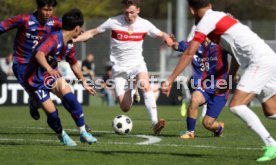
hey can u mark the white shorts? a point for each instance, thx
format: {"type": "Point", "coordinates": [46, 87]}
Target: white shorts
{"type": "Point", "coordinates": [123, 77]}
{"type": "Point", "coordinates": [260, 78]}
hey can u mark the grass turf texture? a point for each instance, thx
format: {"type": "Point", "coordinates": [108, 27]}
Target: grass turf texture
{"type": "Point", "coordinates": [26, 141]}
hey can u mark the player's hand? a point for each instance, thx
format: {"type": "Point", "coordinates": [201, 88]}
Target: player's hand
{"type": "Point", "coordinates": [168, 41]}
{"type": "Point", "coordinates": [172, 36]}
{"type": "Point", "coordinates": [166, 87]}
{"type": "Point", "coordinates": [54, 73]}
{"type": "Point", "coordinates": [89, 87]}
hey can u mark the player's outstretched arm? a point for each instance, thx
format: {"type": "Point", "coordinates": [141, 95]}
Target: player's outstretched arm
{"type": "Point", "coordinates": [86, 35]}
{"type": "Point", "coordinates": [77, 71]}
{"type": "Point", "coordinates": [167, 39]}
{"type": "Point", "coordinates": [185, 60]}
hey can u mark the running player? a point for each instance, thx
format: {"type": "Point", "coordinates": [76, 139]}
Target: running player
{"type": "Point", "coordinates": [251, 53]}
{"type": "Point", "coordinates": [42, 76]}
{"type": "Point", "coordinates": [127, 35]}
{"type": "Point", "coordinates": [30, 30]}
{"type": "Point", "coordinates": [210, 67]}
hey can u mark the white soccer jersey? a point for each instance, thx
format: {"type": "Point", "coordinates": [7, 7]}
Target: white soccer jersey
{"type": "Point", "coordinates": [127, 40]}
{"type": "Point", "coordinates": [234, 37]}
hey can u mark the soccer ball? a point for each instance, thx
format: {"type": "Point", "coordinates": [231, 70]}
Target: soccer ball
{"type": "Point", "coordinates": [122, 124]}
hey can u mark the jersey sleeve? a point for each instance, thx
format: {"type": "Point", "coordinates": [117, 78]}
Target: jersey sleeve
{"type": "Point", "coordinates": [12, 22]}
{"type": "Point", "coordinates": [206, 25]}
{"type": "Point", "coordinates": [71, 56]}
{"type": "Point", "coordinates": [107, 25]}
{"type": "Point", "coordinates": [153, 31]}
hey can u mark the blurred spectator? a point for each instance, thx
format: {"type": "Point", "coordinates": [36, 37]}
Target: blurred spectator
{"type": "Point", "coordinates": [107, 90]}
{"type": "Point", "coordinates": [88, 66]}
{"type": "Point", "coordinates": [6, 65]}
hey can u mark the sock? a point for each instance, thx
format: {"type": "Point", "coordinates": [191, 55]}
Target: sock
{"type": "Point", "coordinates": [191, 123]}
{"type": "Point", "coordinates": [272, 117]}
{"type": "Point", "coordinates": [82, 129]}
{"type": "Point", "coordinates": [72, 105]}
{"type": "Point", "coordinates": [54, 122]}
{"type": "Point", "coordinates": [254, 123]}
{"type": "Point", "coordinates": [151, 106]}
{"type": "Point", "coordinates": [204, 110]}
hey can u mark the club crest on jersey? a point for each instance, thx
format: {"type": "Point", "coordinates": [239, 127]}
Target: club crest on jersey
{"type": "Point", "coordinates": [30, 23]}
{"type": "Point", "coordinates": [51, 23]}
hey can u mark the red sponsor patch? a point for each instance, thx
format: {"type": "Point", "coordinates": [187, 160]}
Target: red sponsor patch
{"type": "Point", "coordinates": [128, 36]}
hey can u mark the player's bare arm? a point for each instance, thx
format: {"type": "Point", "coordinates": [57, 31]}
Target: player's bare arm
{"type": "Point", "coordinates": [86, 35]}
{"type": "Point", "coordinates": [166, 38]}
{"type": "Point", "coordinates": [77, 71]}
{"type": "Point", "coordinates": [41, 59]}
{"type": "Point", "coordinates": [185, 60]}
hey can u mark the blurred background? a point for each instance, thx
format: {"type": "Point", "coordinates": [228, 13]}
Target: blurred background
{"type": "Point", "coordinates": [169, 15]}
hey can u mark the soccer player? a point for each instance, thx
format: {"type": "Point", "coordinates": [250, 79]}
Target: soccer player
{"type": "Point", "coordinates": [210, 68]}
{"type": "Point", "coordinates": [42, 77]}
{"type": "Point", "coordinates": [251, 53]}
{"type": "Point", "coordinates": [127, 35]}
{"type": "Point", "coordinates": [30, 30]}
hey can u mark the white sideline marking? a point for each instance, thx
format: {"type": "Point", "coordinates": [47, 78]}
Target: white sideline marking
{"type": "Point", "coordinates": [148, 142]}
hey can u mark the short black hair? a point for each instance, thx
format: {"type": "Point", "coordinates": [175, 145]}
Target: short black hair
{"type": "Point", "coordinates": [197, 4]}
{"type": "Point", "coordinates": [72, 19]}
{"type": "Point", "coordinates": [128, 3]}
{"type": "Point", "coordinates": [42, 3]}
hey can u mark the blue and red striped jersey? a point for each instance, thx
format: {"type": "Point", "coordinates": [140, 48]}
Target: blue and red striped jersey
{"type": "Point", "coordinates": [55, 50]}
{"type": "Point", "coordinates": [210, 65]}
{"type": "Point", "coordinates": [29, 33]}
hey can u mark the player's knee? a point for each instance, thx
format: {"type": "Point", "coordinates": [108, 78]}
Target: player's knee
{"type": "Point", "coordinates": [207, 123]}
{"type": "Point", "coordinates": [125, 108]}
{"type": "Point", "coordinates": [195, 101]}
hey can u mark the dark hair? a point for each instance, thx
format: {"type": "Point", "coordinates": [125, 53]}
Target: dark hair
{"type": "Point", "coordinates": [72, 19]}
{"type": "Point", "coordinates": [128, 3]}
{"type": "Point", "coordinates": [197, 4]}
{"type": "Point", "coordinates": [42, 3]}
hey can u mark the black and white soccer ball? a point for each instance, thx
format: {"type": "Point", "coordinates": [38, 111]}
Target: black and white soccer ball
{"type": "Point", "coordinates": [122, 124]}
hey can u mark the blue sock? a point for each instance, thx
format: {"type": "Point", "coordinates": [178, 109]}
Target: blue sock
{"type": "Point", "coordinates": [72, 105]}
{"type": "Point", "coordinates": [54, 122]}
{"type": "Point", "coordinates": [191, 123]}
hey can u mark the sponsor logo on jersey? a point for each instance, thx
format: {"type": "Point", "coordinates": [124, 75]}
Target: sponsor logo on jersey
{"type": "Point", "coordinates": [127, 36]}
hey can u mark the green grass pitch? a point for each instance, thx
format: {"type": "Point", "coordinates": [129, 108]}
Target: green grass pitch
{"type": "Point", "coordinates": [25, 141]}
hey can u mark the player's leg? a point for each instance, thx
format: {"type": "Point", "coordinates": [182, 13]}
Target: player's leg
{"type": "Point", "coordinates": [70, 102]}
{"type": "Point", "coordinates": [53, 119]}
{"type": "Point", "coordinates": [150, 102]}
{"type": "Point", "coordinates": [268, 100]}
{"type": "Point", "coordinates": [198, 98]}
{"type": "Point", "coordinates": [19, 71]}
{"type": "Point", "coordinates": [253, 82]}
{"type": "Point", "coordinates": [123, 92]}
{"type": "Point", "coordinates": [214, 106]}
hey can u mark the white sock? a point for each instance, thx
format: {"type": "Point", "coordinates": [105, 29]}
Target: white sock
{"type": "Point", "coordinates": [82, 129]}
{"type": "Point", "coordinates": [204, 110]}
{"type": "Point", "coordinates": [272, 117]}
{"type": "Point", "coordinates": [151, 106]}
{"type": "Point", "coordinates": [254, 123]}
